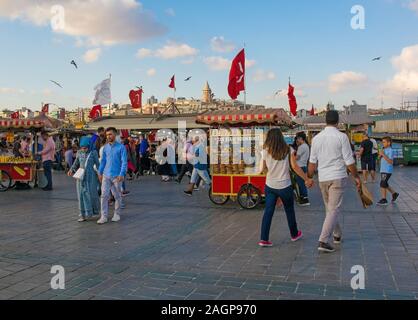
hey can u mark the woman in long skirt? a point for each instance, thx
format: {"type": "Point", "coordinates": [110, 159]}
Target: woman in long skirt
{"type": "Point", "coordinates": [88, 198]}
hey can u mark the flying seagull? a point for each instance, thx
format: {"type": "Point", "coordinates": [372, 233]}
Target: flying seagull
{"type": "Point", "coordinates": [187, 79]}
{"type": "Point", "coordinates": [56, 83]}
{"type": "Point", "coordinates": [377, 59]}
{"type": "Point", "coordinates": [278, 91]}
{"type": "Point", "coordinates": [74, 64]}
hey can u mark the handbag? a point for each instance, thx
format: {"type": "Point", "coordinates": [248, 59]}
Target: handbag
{"type": "Point", "coordinates": [365, 196]}
{"type": "Point", "coordinates": [79, 174]}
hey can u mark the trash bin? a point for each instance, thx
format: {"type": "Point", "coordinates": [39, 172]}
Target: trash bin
{"type": "Point", "coordinates": [410, 153]}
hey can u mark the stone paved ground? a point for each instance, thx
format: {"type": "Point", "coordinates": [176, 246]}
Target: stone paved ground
{"type": "Point", "coordinates": [168, 246]}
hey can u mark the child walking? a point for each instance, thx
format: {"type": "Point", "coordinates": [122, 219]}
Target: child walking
{"type": "Point", "coordinates": [386, 171]}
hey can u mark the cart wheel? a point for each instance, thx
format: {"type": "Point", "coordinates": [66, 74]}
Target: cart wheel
{"type": "Point", "coordinates": [12, 184]}
{"type": "Point", "coordinates": [218, 200]}
{"type": "Point", "coordinates": [249, 196]}
{"type": "Point", "coordinates": [5, 181]}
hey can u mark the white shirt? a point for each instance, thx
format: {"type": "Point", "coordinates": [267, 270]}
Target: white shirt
{"type": "Point", "coordinates": [331, 150]}
{"type": "Point", "coordinates": [375, 147]}
{"type": "Point", "coordinates": [303, 153]}
{"type": "Point", "coordinates": [278, 175]}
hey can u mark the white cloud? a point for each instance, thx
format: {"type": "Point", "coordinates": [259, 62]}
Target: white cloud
{"type": "Point", "coordinates": [170, 12]}
{"type": "Point", "coordinates": [92, 55]}
{"type": "Point", "coordinates": [262, 75]}
{"type": "Point", "coordinates": [342, 80]}
{"type": "Point", "coordinates": [406, 76]}
{"type": "Point", "coordinates": [188, 61]}
{"type": "Point", "coordinates": [217, 63]}
{"type": "Point", "coordinates": [219, 44]}
{"type": "Point", "coordinates": [151, 72]}
{"type": "Point", "coordinates": [6, 90]}
{"type": "Point", "coordinates": [100, 22]}
{"type": "Point", "coordinates": [413, 5]}
{"type": "Point", "coordinates": [171, 50]}
{"type": "Point", "coordinates": [144, 53]}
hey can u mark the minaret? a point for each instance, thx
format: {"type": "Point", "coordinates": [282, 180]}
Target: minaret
{"type": "Point", "coordinates": [207, 94]}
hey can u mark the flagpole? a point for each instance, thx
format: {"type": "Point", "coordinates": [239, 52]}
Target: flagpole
{"type": "Point", "coordinates": [245, 82]}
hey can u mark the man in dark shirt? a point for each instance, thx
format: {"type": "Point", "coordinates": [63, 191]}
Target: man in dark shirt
{"type": "Point", "coordinates": [366, 154]}
{"type": "Point", "coordinates": [16, 148]}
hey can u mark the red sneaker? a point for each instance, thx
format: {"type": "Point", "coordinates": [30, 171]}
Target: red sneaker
{"type": "Point", "coordinates": [299, 236]}
{"type": "Point", "coordinates": [265, 243]}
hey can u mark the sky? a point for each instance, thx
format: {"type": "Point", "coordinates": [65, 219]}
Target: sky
{"type": "Point", "coordinates": [145, 42]}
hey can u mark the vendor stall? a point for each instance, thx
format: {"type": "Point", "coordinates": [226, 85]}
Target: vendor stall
{"type": "Point", "coordinates": [235, 143]}
{"type": "Point", "coordinates": [18, 170]}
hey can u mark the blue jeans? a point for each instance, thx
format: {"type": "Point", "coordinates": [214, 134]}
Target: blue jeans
{"type": "Point", "coordinates": [203, 174]}
{"type": "Point", "coordinates": [286, 195]}
{"type": "Point", "coordinates": [48, 173]}
{"type": "Point", "coordinates": [302, 187]}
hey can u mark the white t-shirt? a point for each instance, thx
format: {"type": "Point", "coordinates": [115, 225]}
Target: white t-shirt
{"type": "Point", "coordinates": [375, 147]}
{"type": "Point", "coordinates": [278, 175]}
{"type": "Point", "coordinates": [303, 153]}
{"type": "Point", "coordinates": [331, 150]}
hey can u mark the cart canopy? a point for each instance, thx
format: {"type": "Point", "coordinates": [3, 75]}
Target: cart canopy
{"type": "Point", "coordinates": [25, 124]}
{"type": "Point", "coordinates": [245, 117]}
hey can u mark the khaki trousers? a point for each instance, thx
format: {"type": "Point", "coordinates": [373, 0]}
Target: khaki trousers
{"type": "Point", "coordinates": [332, 194]}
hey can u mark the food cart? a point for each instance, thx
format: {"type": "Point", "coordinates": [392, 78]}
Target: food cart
{"type": "Point", "coordinates": [13, 170]}
{"type": "Point", "coordinates": [235, 142]}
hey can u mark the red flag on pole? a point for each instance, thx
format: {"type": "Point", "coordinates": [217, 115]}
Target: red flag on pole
{"type": "Point", "coordinates": [96, 112]}
{"type": "Point", "coordinates": [312, 111]}
{"type": "Point", "coordinates": [15, 115]}
{"type": "Point", "coordinates": [237, 75]}
{"type": "Point", "coordinates": [172, 84]}
{"type": "Point", "coordinates": [292, 100]}
{"type": "Point", "coordinates": [45, 108]}
{"type": "Point", "coordinates": [136, 98]}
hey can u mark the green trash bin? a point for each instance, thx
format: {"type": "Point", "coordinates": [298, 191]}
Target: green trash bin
{"type": "Point", "coordinates": [410, 153]}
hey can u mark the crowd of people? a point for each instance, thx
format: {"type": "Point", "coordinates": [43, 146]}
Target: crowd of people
{"type": "Point", "coordinates": [102, 163]}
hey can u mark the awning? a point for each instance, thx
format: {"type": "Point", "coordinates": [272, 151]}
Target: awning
{"type": "Point", "coordinates": [6, 124]}
{"type": "Point", "coordinates": [260, 116]}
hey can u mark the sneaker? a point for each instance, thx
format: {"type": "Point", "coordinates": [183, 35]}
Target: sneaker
{"type": "Point", "coordinates": [325, 247]}
{"type": "Point", "coordinates": [196, 189]}
{"type": "Point", "coordinates": [304, 202]}
{"type": "Point", "coordinates": [383, 202]}
{"type": "Point", "coordinates": [116, 218]}
{"type": "Point", "coordinates": [337, 240]}
{"type": "Point", "coordinates": [299, 236]}
{"type": "Point", "coordinates": [395, 197]}
{"type": "Point", "coordinates": [82, 219]}
{"type": "Point", "coordinates": [102, 220]}
{"type": "Point", "coordinates": [189, 193]}
{"type": "Point", "coordinates": [265, 244]}
{"type": "Point", "coordinates": [125, 193]}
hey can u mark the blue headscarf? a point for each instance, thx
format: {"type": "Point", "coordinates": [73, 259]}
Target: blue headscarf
{"type": "Point", "coordinates": [85, 142]}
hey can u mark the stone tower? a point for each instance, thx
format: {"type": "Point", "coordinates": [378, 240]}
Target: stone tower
{"type": "Point", "coordinates": [207, 94]}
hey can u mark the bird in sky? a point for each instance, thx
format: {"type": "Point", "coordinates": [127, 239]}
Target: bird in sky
{"type": "Point", "coordinates": [377, 59]}
{"type": "Point", "coordinates": [74, 64]}
{"type": "Point", "coordinates": [187, 79]}
{"type": "Point", "coordinates": [56, 83]}
{"type": "Point", "coordinates": [278, 92]}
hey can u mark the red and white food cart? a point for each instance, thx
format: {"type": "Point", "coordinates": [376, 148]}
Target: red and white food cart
{"type": "Point", "coordinates": [235, 143]}
{"type": "Point", "coordinates": [13, 169]}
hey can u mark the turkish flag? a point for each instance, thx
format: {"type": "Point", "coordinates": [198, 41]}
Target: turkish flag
{"type": "Point", "coordinates": [124, 133]}
{"type": "Point", "coordinates": [15, 115]}
{"type": "Point", "coordinates": [96, 112]}
{"type": "Point", "coordinates": [136, 98]}
{"type": "Point", "coordinates": [292, 100]}
{"type": "Point", "coordinates": [237, 75]}
{"type": "Point", "coordinates": [172, 84]}
{"type": "Point", "coordinates": [312, 111]}
{"type": "Point", "coordinates": [45, 108]}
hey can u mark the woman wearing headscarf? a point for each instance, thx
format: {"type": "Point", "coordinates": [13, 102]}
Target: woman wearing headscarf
{"type": "Point", "coordinates": [87, 186]}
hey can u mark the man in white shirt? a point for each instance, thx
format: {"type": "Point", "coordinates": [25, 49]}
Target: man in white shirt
{"type": "Point", "coordinates": [302, 158]}
{"type": "Point", "coordinates": [331, 154]}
